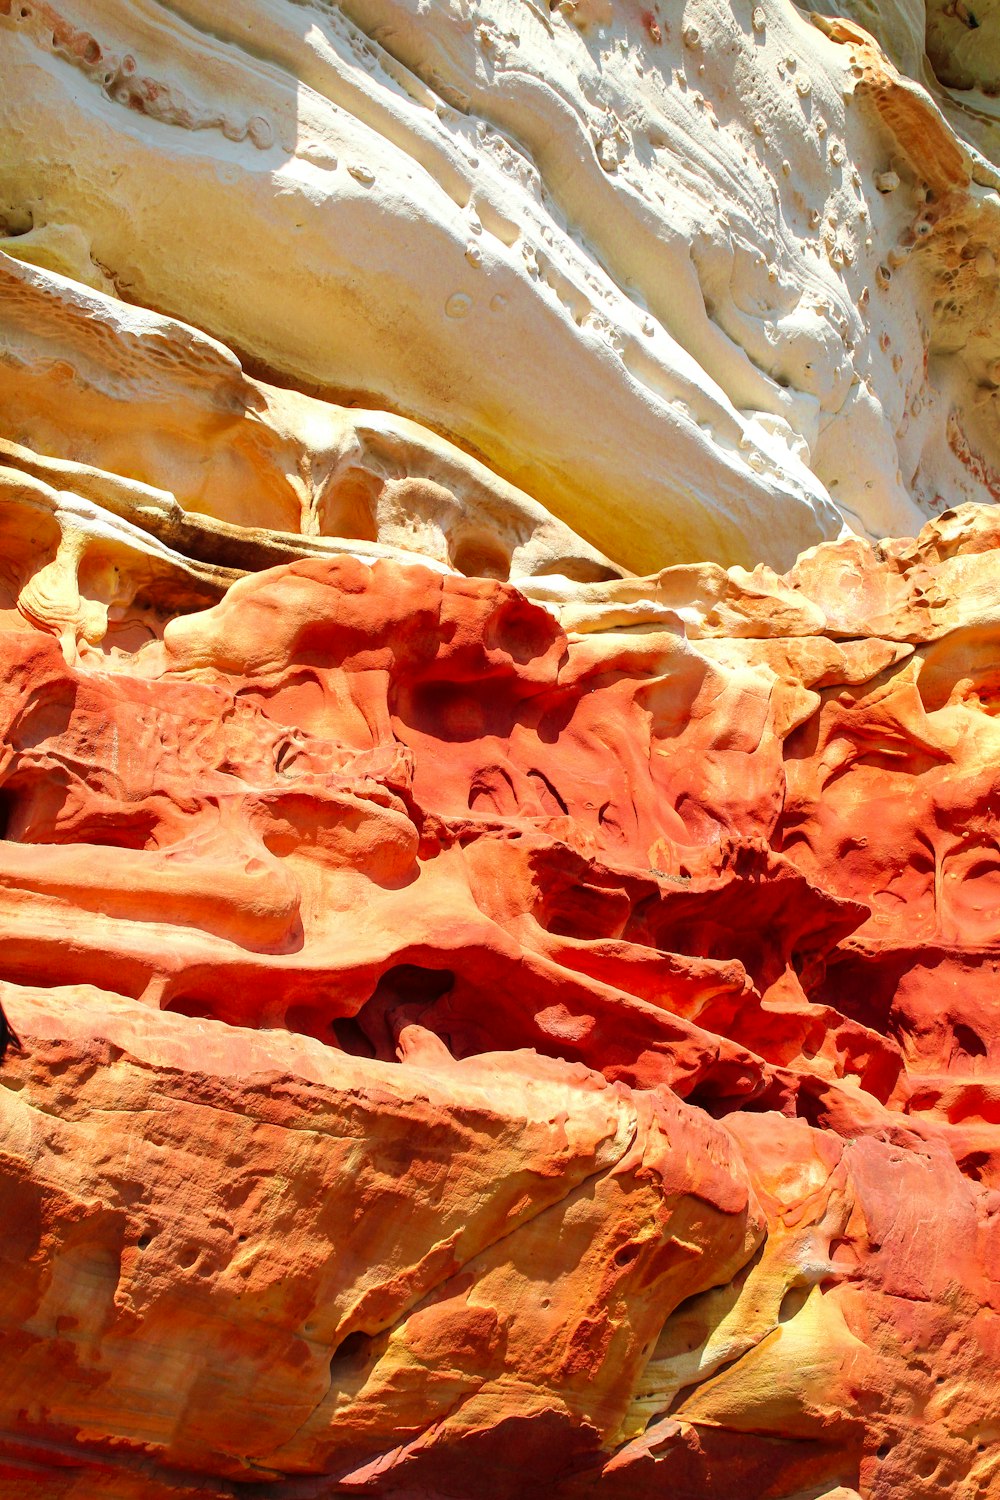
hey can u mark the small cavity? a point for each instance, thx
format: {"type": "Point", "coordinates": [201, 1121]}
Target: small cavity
{"type": "Point", "coordinates": [458, 305]}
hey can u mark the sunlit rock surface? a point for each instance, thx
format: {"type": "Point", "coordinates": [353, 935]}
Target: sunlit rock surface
{"type": "Point", "coordinates": [499, 865]}
{"type": "Point", "coordinates": [702, 280]}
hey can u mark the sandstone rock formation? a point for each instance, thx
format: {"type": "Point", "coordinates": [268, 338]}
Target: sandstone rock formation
{"type": "Point", "coordinates": [499, 864]}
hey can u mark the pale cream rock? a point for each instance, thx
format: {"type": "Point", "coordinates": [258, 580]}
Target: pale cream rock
{"type": "Point", "coordinates": [731, 278]}
{"type": "Point", "coordinates": [646, 268]}
{"type": "Point", "coordinates": [157, 423]}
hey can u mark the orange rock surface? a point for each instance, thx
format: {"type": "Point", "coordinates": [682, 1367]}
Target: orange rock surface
{"type": "Point", "coordinates": [481, 1041]}
{"type": "Point", "coordinates": [499, 865]}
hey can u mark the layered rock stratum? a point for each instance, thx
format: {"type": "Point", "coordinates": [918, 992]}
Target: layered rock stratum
{"type": "Point", "coordinates": [500, 776]}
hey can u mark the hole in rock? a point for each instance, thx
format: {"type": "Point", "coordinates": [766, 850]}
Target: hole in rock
{"type": "Point", "coordinates": [575, 908]}
{"type": "Point", "coordinates": [410, 982]}
{"type": "Point", "coordinates": [862, 988]}
{"type": "Point", "coordinates": [192, 1006]}
{"type": "Point", "coordinates": [350, 1038]}
{"type": "Point", "coordinates": [66, 964]}
{"type": "Point", "coordinates": [970, 1042]}
{"type": "Point", "coordinates": [351, 1349]}
{"type": "Point", "coordinates": [34, 808]}
{"type": "Point", "coordinates": [553, 721]}
{"type": "Point", "coordinates": [577, 570]}
{"type": "Point", "coordinates": [457, 712]}
{"type": "Point", "coordinates": [974, 1165]}
{"type": "Point", "coordinates": [347, 506]}
{"type": "Point", "coordinates": [792, 1302]}
{"type": "Point", "coordinates": [481, 557]}
{"type": "Point", "coordinates": [523, 630]}
{"type": "Point", "coordinates": [131, 830]}
{"type": "Point", "coordinates": [843, 1254]}
{"type": "Point", "coordinates": [402, 997]}
{"type": "Point", "coordinates": [7, 806]}
{"type": "Point", "coordinates": [45, 715]}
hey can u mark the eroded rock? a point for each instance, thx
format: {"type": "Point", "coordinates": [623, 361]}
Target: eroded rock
{"type": "Point", "coordinates": [499, 873]}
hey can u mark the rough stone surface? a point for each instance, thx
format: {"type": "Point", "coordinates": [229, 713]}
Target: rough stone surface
{"type": "Point", "coordinates": [499, 866]}
{"type": "Point", "coordinates": [641, 1125]}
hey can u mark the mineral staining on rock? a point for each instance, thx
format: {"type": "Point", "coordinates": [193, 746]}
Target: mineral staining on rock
{"type": "Point", "coordinates": [499, 875]}
{"type": "Point", "coordinates": [618, 1105]}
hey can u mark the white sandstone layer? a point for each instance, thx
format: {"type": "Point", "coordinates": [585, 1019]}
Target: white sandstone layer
{"type": "Point", "coordinates": [678, 274]}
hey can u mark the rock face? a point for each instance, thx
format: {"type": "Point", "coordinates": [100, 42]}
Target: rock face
{"type": "Point", "coordinates": [637, 1128]}
{"type": "Point", "coordinates": [499, 867]}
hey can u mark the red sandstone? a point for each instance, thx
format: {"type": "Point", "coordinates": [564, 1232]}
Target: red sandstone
{"type": "Point", "coordinates": [458, 1050]}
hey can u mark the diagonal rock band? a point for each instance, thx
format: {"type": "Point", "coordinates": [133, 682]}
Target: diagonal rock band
{"type": "Point", "coordinates": [499, 867]}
